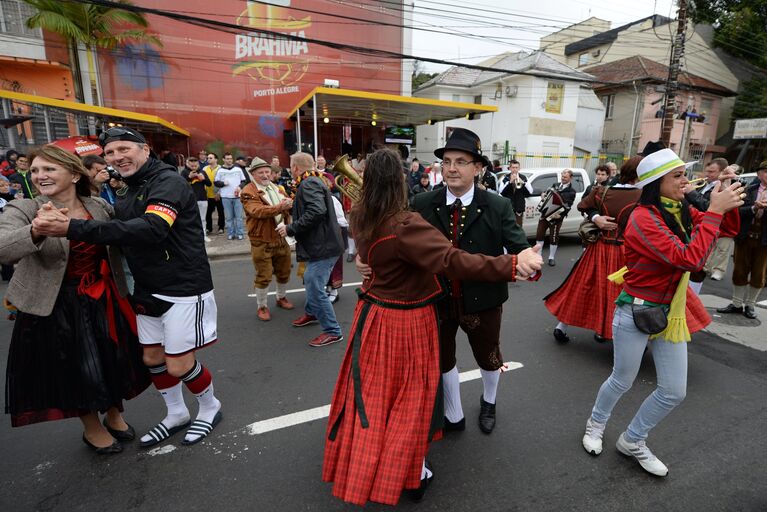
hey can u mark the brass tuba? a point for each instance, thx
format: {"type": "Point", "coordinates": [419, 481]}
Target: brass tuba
{"type": "Point", "coordinates": [347, 179]}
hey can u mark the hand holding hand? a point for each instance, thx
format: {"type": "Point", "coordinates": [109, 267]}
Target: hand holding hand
{"type": "Point", "coordinates": [728, 174]}
{"type": "Point", "coordinates": [605, 222]}
{"type": "Point", "coordinates": [724, 199]}
{"type": "Point", "coordinates": [365, 271]}
{"type": "Point", "coordinates": [282, 230]}
{"type": "Point", "coordinates": [529, 262]}
{"type": "Point", "coordinates": [286, 204]}
{"type": "Point", "coordinates": [50, 213]}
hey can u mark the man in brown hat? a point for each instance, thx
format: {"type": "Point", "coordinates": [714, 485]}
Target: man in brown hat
{"type": "Point", "coordinates": [266, 208]}
{"type": "Point", "coordinates": [476, 221]}
{"type": "Point", "coordinates": [750, 271]}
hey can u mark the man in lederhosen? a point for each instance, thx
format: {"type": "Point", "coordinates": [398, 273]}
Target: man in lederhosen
{"type": "Point", "coordinates": [476, 221]}
{"type": "Point", "coordinates": [566, 191]}
{"type": "Point", "coordinates": [749, 274]}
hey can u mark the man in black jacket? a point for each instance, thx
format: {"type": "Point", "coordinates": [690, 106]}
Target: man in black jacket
{"type": "Point", "coordinates": [749, 274]}
{"type": "Point", "coordinates": [477, 221]}
{"type": "Point", "coordinates": [567, 193]}
{"type": "Point", "coordinates": [318, 242]}
{"type": "Point", "coordinates": [198, 180]}
{"type": "Point", "coordinates": [516, 189]}
{"type": "Point", "coordinates": [158, 225]}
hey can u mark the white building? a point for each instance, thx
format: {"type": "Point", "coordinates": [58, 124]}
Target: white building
{"type": "Point", "coordinates": [543, 107]}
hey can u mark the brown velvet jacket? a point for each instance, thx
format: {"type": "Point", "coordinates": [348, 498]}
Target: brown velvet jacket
{"type": "Point", "coordinates": [617, 202]}
{"type": "Point", "coordinates": [406, 254]}
{"type": "Point", "coordinates": [259, 215]}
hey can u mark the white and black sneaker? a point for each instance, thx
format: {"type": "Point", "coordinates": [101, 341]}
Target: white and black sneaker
{"type": "Point", "coordinates": [592, 439]}
{"type": "Point", "coordinates": [643, 455]}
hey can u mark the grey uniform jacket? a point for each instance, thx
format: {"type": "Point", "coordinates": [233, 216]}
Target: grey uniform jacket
{"type": "Point", "coordinates": [41, 267]}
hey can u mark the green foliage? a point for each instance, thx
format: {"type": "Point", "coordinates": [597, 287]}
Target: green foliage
{"type": "Point", "coordinates": [740, 26]}
{"type": "Point", "coordinates": [219, 147]}
{"type": "Point", "coordinates": [93, 25]}
{"type": "Point", "coordinates": [752, 101]}
{"type": "Point", "coordinates": [421, 78]}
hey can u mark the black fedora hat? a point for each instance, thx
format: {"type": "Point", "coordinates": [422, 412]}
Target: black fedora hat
{"type": "Point", "coordinates": [651, 147]}
{"type": "Point", "coordinates": [464, 140]}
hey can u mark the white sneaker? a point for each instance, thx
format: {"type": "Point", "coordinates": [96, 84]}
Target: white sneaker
{"type": "Point", "coordinates": [717, 275]}
{"type": "Point", "coordinates": [592, 439]}
{"type": "Point", "coordinates": [643, 455]}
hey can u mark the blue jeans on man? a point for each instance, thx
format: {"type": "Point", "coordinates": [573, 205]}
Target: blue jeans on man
{"type": "Point", "coordinates": [318, 304]}
{"type": "Point", "coordinates": [233, 216]}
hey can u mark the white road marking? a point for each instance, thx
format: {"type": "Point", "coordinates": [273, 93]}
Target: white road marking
{"type": "Point", "coordinates": [297, 418]}
{"type": "Point", "coordinates": [298, 290]}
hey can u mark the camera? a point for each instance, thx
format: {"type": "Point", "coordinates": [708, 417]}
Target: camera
{"type": "Point", "coordinates": [114, 174]}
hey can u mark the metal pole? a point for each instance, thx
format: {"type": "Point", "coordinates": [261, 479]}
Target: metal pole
{"type": "Point", "coordinates": [47, 118]}
{"type": "Point", "coordinates": [8, 113]}
{"type": "Point", "coordinates": [634, 120]}
{"type": "Point", "coordinates": [672, 83]}
{"type": "Point", "coordinates": [314, 115]}
{"type": "Point", "coordinates": [298, 128]}
{"type": "Point", "coordinates": [743, 151]}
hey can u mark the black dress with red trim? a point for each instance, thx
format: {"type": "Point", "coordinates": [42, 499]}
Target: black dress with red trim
{"type": "Point", "coordinates": [84, 356]}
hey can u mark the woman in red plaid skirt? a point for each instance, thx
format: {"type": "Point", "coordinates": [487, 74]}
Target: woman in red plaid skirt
{"type": "Point", "coordinates": [383, 412]}
{"type": "Point", "coordinates": [586, 298]}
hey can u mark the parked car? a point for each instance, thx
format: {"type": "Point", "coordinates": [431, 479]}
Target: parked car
{"type": "Point", "coordinates": [541, 179]}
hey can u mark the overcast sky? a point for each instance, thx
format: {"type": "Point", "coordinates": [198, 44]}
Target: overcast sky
{"type": "Point", "coordinates": [511, 25]}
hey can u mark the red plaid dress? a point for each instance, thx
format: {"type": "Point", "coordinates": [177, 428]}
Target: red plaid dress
{"type": "Point", "coordinates": [399, 376]}
{"type": "Point", "coordinates": [586, 298]}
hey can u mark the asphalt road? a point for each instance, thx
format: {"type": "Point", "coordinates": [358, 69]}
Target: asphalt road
{"type": "Point", "coordinates": [714, 443]}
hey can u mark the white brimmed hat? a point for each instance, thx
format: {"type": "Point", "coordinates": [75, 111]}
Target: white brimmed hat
{"type": "Point", "coordinates": [656, 165]}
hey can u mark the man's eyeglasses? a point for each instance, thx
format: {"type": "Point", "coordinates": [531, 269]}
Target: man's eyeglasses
{"type": "Point", "coordinates": [458, 164]}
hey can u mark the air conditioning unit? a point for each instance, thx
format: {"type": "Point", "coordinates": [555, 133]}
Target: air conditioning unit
{"type": "Point", "coordinates": [596, 53]}
{"type": "Point", "coordinates": [511, 91]}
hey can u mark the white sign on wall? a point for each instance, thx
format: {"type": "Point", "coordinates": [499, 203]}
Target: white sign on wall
{"type": "Point", "coordinates": [750, 129]}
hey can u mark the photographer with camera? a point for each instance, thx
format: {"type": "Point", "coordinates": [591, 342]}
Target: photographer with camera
{"type": "Point", "coordinates": [101, 177]}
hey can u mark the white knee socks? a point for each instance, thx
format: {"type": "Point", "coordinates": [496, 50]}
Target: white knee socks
{"type": "Point", "coordinates": [738, 295]}
{"type": "Point", "coordinates": [452, 394]}
{"type": "Point", "coordinates": [261, 296]}
{"type": "Point", "coordinates": [282, 290]}
{"type": "Point", "coordinates": [352, 246]}
{"type": "Point", "coordinates": [552, 251]}
{"type": "Point", "coordinates": [751, 295]}
{"type": "Point", "coordinates": [562, 327]}
{"type": "Point", "coordinates": [489, 384]}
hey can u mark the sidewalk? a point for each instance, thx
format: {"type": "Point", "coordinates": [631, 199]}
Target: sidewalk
{"type": "Point", "coordinates": [220, 247]}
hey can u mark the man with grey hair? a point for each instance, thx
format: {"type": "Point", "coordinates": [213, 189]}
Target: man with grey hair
{"type": "Point", "coordinates": [318, 243]}
{"type": "Point", "coordinates": [157, 224]}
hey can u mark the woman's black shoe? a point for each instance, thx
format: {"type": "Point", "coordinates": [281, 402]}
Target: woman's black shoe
{"type": "Point", "coordinates": [115, 447]}
{"type": "Point", "coordinates": [350, 258]}
{"type": "Point", "coordinates": [561, 336]}
{"type": "Point", "coordinates": [121, 435]}
{"type": "Point", "coordinates": [417, 494]}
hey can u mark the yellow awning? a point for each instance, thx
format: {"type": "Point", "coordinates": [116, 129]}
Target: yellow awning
{"type": "Point", "coordinates": [114, 114]}
{"type": "Point", "coordinates": [362, 107]}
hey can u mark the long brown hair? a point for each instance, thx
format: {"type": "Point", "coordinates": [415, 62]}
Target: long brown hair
{"type": "Point", "coordinates": [629, 170]}
{"type": "Point", "coordinates": [68, 161]}
{"type": "Point", "coordinates": [384, 193]}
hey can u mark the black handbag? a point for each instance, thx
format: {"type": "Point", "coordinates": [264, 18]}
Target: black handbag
{"type": "Point", "coordinates": [651, 319]}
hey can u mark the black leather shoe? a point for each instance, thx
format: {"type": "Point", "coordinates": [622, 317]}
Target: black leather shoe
{"type": "Point", "coordinates": [121, 435]}
{"type": "Point", "coordinates": [486, 416]}
{"type": "Point", "coordinates": [552, 263]}
{"type": "Point", "coordinates": [417, 494]}
{"type": "Point", "coordinates": [115, 447]}
{"type": "Point", "coordinates": [458, 426]}
{"type": "Point", "coordinates": [749, 312]}
{"type": "Point", "coordinates": [731, 308]}
{"type": "Point", "coordinates": [561, 336]}
{"type": "Point", "coordinates": [350, 258]}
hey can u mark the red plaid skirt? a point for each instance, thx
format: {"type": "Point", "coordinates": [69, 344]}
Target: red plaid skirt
{"type": "Point", "coordinates": [586, 298]}
{"type": "Point", "coordinates": [695, 312]}
{"type": "Point", "coordinates": [378, 437]}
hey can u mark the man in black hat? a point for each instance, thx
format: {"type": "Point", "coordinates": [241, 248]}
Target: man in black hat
{"type": "Point", "coordinates": [477, 221]}
{"type": "Point", "coordinates": [157, 224]}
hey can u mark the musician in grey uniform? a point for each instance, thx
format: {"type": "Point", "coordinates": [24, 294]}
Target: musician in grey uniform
{"type": "Point", "coordinates": [567, 194]}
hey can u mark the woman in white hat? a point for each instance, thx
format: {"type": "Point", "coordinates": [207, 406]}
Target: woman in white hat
{"type": "Point", "coordinates": [665, 240]}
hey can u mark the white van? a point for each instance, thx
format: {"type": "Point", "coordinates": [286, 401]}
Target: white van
{"type": "Point", "coordinates": [541, 179]}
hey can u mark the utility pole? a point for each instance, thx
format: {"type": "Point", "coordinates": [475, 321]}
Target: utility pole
{"type": "Point", "coordinates": [672, 83]}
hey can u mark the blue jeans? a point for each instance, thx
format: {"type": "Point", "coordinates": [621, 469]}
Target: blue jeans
{"type": "Point", "coordinates": [233, 216]}
{"type": "Point", "coordinates": [318, 304]}
{"type": "Point", "coordinates": [670, 367]}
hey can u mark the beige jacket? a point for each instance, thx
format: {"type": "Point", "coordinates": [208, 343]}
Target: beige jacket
{"type": "Point", "coordinates": [41, 267]}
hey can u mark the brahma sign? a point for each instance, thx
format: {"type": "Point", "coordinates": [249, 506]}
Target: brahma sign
{"type": "Point", "coordinates": [237, 86]}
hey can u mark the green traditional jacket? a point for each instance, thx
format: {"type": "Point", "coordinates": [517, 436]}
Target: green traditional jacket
{"type": "Point", "coordinates": [489, 227]}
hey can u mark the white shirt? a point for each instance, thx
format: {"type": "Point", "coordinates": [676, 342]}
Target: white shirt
{"type": "Point", "coordinates": [466, 199]}
{"type": "Point", "coordinates": [340, 217]}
